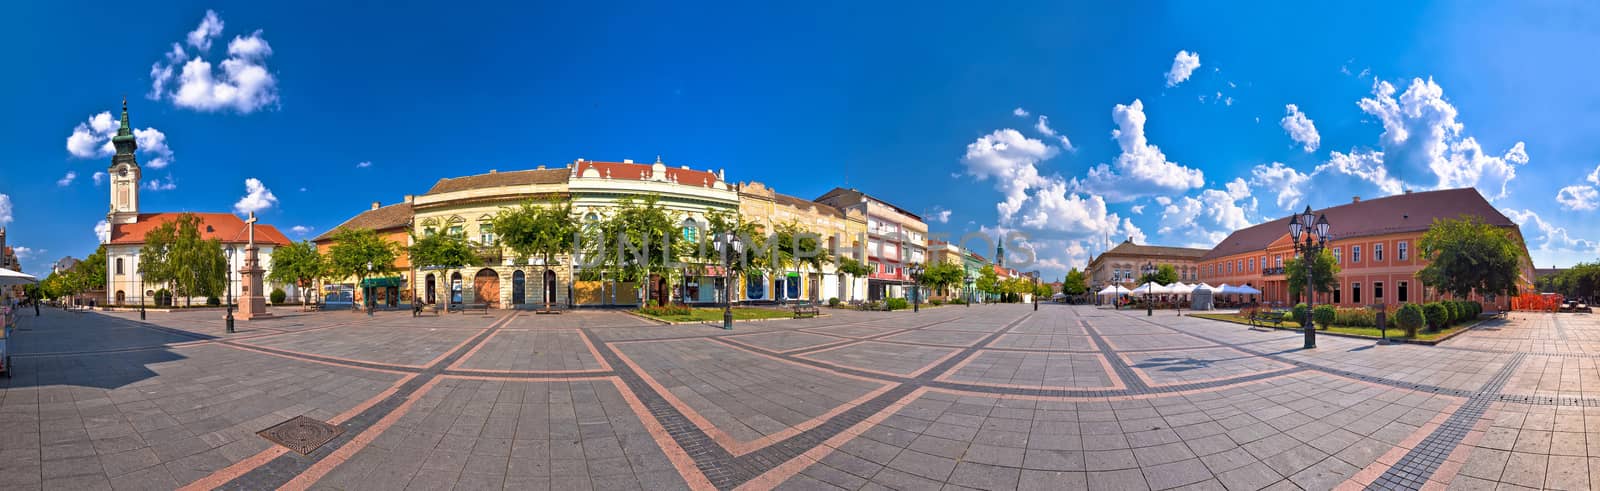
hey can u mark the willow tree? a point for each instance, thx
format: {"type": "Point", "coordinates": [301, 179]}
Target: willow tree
{"type": "Point", "coordinates": [532, 230]}
{"type": "Point", "coordinates": [174, 254]}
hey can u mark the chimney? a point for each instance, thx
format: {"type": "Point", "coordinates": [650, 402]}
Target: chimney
{"type": "Point", "coordinates": [493, 171]}
{"type": "Point", "coordinates": [541, 167]}
{"type": "Point", "coordinates": [375, 205]}
{"type": "Point", "coordinates": [1408, 191]}
{"type": "Point", "coordinates": [409, 198]}
{"type": "Point", "coordinates": [627, 161]}
{"type": "Point", "coordinates": [1355, 199]}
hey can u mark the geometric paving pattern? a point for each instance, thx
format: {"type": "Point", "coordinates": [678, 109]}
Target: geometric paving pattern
{"type": "Point", "coordinates": [986, 397]}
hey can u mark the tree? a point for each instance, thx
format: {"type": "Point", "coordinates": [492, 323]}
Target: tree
{"type": "Point", "coordinates": [440, 251]}
{"type": "Point", "coordinates": [1165, 274]}
{"type": "Point", "coordinates": [538, 231]}
{"type": "Point", "coordinates": [1466, 255]}
{"type": "Point", "coordinates": [1409, 317]}
{"type": "Point", "coordinates": [988, 281]}
{"type": "Point", "coordinates": [852, 269]}
{"type": "Point", "coordinates": [940, 275]}
{"type": "Point", "coordinates": [638, 237]}
{"type": "Point", "coordinates": [298, 264]}
{"type": "Point", "coordinates": [1042, 291]}
{"type": "Point", "coordinates": [174, 254]}
{"type": "Point", "coordinates": [1324, 269]}
{"type": "Point", "coordinates": [793, 248]}
{"type": "Point", "coordinates": [1075, 283]}
{"type": "Point", "coordinates": [360, 253]}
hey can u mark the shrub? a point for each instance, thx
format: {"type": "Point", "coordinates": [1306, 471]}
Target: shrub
{"type": "Point", "coordinates": [1436, 315]}
{"type": "Point", "coordinates": [957, 301]}
{"type": "Point", "coordinates": [833, 301]}
{"type": "Point", "coordinates": [278, 296]}
{"type": "Point", "coordinates": [1324, 315]}
{"type": "Point", "coordinates": [1301, 313]}
{"type": "Point", "coordinates": [667, 310]}
{"type": "Point", "coordinates": [1477, 309]}
{"type": "Point", "coordinates": [212, 302]}
{"type": "Point", "coordinates": [1409, 317]}
{"type": "Point", "coordinates": [897, 304]}
{"type": "Point", "coordinates": [870, 305]}
{"type": "Point", "coordinates": [935, 301]}
{"type": "Point", "coordinates": [1355, 317]}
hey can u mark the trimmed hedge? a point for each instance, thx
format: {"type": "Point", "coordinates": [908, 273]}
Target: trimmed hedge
{"type": "Point", "coordinates": [1436, 314]}
{"type": "Point", "coordinates": [897, 304]}
{"type": "Point", "coordinates": [1324, 316]}
{"type": "Point", "coordinates": [833, 302]}
{"type": "Point", "coordinates": [277, 296]}
{"type": "Point", "coordinates": [1409, 317]}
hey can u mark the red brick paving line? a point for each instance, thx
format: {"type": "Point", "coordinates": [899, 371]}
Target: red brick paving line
{"type": "Point", "coordinates": [229, 473]}
{"type": "Point", "coordinates": [777, 475]}
{"type": "Point", "coordinates": [326, 465]}
{"type": "Point", "coordinates": [1116, 382]}
{"type": "Point", "coordinates": [1373, 471]}
{"type": "Point", "coordinates": [739, 448]}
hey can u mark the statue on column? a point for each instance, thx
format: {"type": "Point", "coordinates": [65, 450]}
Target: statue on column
{"type": "Point", "coordinates": [252, 304]}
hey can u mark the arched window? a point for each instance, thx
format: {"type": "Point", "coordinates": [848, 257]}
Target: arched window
{"type": "Point", "coordinates": [119, 266]}
{"type": "Point", "coordinates": [691, 231]}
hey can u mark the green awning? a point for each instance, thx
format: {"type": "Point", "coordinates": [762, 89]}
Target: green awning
{"type": "Point", "coordinates": [392, 281]}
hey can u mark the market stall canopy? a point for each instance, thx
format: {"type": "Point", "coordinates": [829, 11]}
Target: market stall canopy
{"type": "Point", "coordinates": [9, 277]}
{"type": "Point", "coordinates": [1206, 287]}
{"type": "Point", "coordinates": [1150, 287]}
{"type": "Point", "coordinates": [1114, 290]}
{"type": "Point", "coordinates": [1180, 288]}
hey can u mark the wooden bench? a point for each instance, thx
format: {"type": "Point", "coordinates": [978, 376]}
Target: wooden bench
{"type": "Point", "coordinates": [421, 308]}
{"type": "Point", "coordinates": [806, 309]}
{"type": "Point", "coordinates": [468, 307]}
{"type": "Point", "coordinates": [1263, 317]}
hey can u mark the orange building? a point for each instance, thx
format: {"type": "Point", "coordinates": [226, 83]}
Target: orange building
{"type": "Point", "coordinates": [1374, 242]}
{"type": "Point", "coordinates": [392, 224]}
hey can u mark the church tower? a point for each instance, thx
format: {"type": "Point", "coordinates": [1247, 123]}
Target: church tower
{"type": "Point", "coordinates": [124, 172]}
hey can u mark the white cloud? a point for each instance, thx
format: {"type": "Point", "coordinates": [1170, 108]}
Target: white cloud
{"type": "Point", "coordinates": [1008, 157]}
{"type": "Point", "coordinates": [26, 252]}
{"type": "Point", "coordinates": [1594, 176]}
{"type": "Point", "coordinates": [99, 177]}
{"type": "Point", "coordinates": [1141, 169]}
{"type": "Point", "coordinates": [210, 27]}
{"type": "Point", "coordinates": [160, 184]}
{"type": "Point", "coordinates": [92, 139]}
{"type": "Point", "coordinates": [257, 197]}
{"type": "Point", "coordinates": [1424, 145]}
{"type": "Point", "coordinates": [67, 180]}
{"type": "Point", "coordinates": [1356, 173]}
{"type": "Point", "coordinates": [1043, 126]}
{"type": "Point", "coordinates": [940, 215]}
{"type": "Point", "coordinates": [1301, 128]}
{"type": "Point", "coordinates": [1228, 101]}
{"type": "Point", "coordinates": [1578, 197]}
{"type": "Point", "coordinates": [300, 229]}
{"type": "Point", "coordinates": [5, 209]}
{"type": "Point", "coordinates": [1207, 219]}
{"type": "Point", "coordinates": [364, 164]}
{"type": "Point", "coordinates": [1019, 112]}
{"type": "Point", "coordinates": [1031, 200]}
{"type": "Point", "coordinates": [243, 85]}
{"type": "Point", "coordinates": [102, 232]}
{"type": "Point", "coordinates": [1182, 66]}
{"type": "Point", "coordinates": [1137, 209]}
{"type": "Point", "coordinates": [1551, 240]}
{"type": "Point", "coordinates": [1280, 180]}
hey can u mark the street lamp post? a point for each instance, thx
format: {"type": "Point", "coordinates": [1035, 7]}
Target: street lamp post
{"type": "Point", "coordinates": [727, 246]}
{"type": "Point", "coordinates": [1315, 231]}
{"type": "Point", "coordinates": [229, 287]}
{"type": "Point", "coordinates": [970, 279]}
{"type": "Point", "coordinates": [367, 296]}
{"type": "Point", "coordinates": [137, 265]}
{"type": "Point", "coordinates": [1036, 291]}
{"type": "Point", "coordinates": [1149, 271]}
{"type": "Point", "coordinates": [915, 270]}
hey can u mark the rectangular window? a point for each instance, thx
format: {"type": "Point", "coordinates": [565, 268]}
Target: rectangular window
{"type": "Point", "coordinates": [1401, 293]}
{"type": "Point", "coordinates": [1277, 261]}
{"type": "Point", "coordinates": [1335, 293]}
{"type": "Point", "coordinates": [1252, 264]}
{"type": "Point", "coordinates": [456, 231]}
{"type": "Point", "coordinates": [1338, 256]}
{"type": "Point", "coordinates": [1377, 291]}
{"type": "Point", "coordinates": [1401, 248]}
{"type": "Point", "coordinates": [486, 233]}
{"type": "Point", "coordinates": [1355, 254]}
{"type": "Point", "coordinates": [1377, 252]}
{"type": "Point", "coordinates": [1355, 293]}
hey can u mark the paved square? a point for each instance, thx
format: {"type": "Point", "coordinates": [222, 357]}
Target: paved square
{"type": "Point", "coordinates": [987, 397]}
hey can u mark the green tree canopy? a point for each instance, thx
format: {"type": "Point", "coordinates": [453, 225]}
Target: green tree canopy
{"type": "Point", "coordinates": [988, 282]}
{"type": "Point", "coordinates": [1076, 283]}
{"type": "Point", "coordinates": [174, 254]}
{"type": "Point", "coordinates": [940, 275]}
{"type": "Point", "coordinates": [532, 230]}
{"type": "Point", "coordinates": [360, 253]}
{"type": "Point", "coordinates": [1580, 280]}
{"type": "Point", "coordinates": [637, 240]}
{"type": "Point", "coordinates": [1466, 255]}
{"type": "Point", "coordinates": [852, 269]}
{"type": "Point", "coordinates": [298, 264]}
{"type": "Point", "coordinates": [1165, 274]}
{"type": "Point", "coordinates": [1324, 269]}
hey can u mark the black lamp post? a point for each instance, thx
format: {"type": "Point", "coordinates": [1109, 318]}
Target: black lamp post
{"type": "Point", "coordinates": [1317, 238]}
{"type": "Point", "coordinates": [372, 303]}
{"type": "Point", "coordinates": [970, 279]}
{"type": "Point", "coordinates": [916, 285]}
{"type": "Point", "coordinates": [1035, 291]}
{"type": "Point", "coordinates": [229, 287]}
{"type": "Point", "coordinates": [728, 245]}
{"type": "Point", "coordinates": [137, 265]}
{"type": "Point", "coordinates": [1149, 271]}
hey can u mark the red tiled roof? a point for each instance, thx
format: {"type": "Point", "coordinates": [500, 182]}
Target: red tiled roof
{"type": "Point", "coordinates": [498, 179]}
{"type": "Point", "coordinates": [227, 227]}
{"type": "Point", "coordinates": [395, 216]}
{"type": "Point", "coordinates": [1410, 212]}
{"type": "Point", "coordinates": [623, 170]}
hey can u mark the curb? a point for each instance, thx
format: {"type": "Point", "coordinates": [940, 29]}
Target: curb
{"type": "Point", "coordinates": [683, 323]}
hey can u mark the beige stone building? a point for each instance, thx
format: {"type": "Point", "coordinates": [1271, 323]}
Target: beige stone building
{"type": "Point", "coordinates": [1124, 264]}
{"type": "Point", "coordinates": [840, 233]}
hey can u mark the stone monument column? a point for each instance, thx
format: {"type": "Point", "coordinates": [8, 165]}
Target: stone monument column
{"type": "Point", "coordinates": [252, 305]}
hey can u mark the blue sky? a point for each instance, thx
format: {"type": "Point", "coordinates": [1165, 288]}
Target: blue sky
{"type": "Point", "coordinates": [919, 104]}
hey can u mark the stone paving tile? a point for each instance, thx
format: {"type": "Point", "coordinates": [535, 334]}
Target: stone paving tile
{"type": "Point", "coordinates": [101, 401]}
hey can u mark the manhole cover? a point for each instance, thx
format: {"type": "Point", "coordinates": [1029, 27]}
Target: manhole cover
{"type": "Point", "coordinates": [301, 434]}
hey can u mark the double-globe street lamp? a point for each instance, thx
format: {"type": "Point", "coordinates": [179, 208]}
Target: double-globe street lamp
{"type": "Point", "coordinates": [915, 270]}
{"type": "Point", "coordinates": [727, 246]}
{"type": "Point", "coordinates": [367, 297]}
{"type": "Point", "coordinates": [1299, 225]}
{"type": "Point", "coordinates": [1149, 272]}
{"type": "Point", "coordinates": [970, 279]}
{"type": "Point", "coordinates": [228, 251]}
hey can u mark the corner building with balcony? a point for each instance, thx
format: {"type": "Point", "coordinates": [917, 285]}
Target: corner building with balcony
{"type": "Point", "coordinates": [896, 238]}
{"type": "Point", "coordinates": [1373, 241]}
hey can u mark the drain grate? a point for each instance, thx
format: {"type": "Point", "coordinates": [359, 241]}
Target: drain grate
{"type": "Point", "coordinates": [301, 434]}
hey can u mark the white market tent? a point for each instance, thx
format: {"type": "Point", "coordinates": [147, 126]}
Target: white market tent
{"type": "Point", "coordinates": [1180, 288]}
{"type": "Point", "coordinates": [1227, 289]}
{"type": "Point", "coordinates": [1206, 287]}
{"type": "Point", "coordinates": [9, 277]}
{"type": "Point", "coordinates": [1148, 288]}
{"type": "Point", "coordinates": [1114, 290]}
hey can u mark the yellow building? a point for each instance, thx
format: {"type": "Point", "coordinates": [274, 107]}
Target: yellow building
{"type": "Point", "coordinates": [839, 232]}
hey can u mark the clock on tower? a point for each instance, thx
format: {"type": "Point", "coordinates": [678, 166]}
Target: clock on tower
{"type": "Point", "coordinates": [124, 174]}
